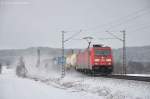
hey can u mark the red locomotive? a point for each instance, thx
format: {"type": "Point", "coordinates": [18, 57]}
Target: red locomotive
{"type": "Point", "coordinates": [96, 59]}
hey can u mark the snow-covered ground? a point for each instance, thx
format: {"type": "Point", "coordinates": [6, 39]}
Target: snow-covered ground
{"type": "Point", "coordinates": [144, 75]}
{"type": "Point", "coordinates": [12, 87]}
{"type": "Point", "coordinates": [106, 88]}
{"type": "Point", "coordinates": [46, 82]}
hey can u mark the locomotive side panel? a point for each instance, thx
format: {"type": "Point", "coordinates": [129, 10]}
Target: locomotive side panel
{"type": "Point", "coordinates": [83, 60]}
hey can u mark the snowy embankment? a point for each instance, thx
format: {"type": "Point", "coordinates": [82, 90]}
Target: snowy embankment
{"type": "Point", "coordinates": [144, 75]}
{"type": "Point", "coordinates": [12, 87]}
{"type": "Point", "coordinates": [106, 88]}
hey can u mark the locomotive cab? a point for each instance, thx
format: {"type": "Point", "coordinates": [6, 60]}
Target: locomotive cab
{"type": "Point", "coordinates": [102, 59]}
{"type": "Point", "coordinates": [96, 59]}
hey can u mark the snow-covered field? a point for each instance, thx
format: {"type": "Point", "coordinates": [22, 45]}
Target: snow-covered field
{"type": "Point", "coordinates": [144, 75]}
{"type": "Point", "coordinates": [106, 88]}
{"type": "Point", "coordinates": [46, 82]}
{"type": "Point", "coordinates": [12, 87]}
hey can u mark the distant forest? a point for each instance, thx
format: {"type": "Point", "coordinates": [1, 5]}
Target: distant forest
{"type": "Point", "coordinates": [138, 58]}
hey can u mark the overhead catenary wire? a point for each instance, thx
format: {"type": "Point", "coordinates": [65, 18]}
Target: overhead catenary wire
{"type": "Point", "coordinates": [114, 36]}
{"type": "Point", "coordinates": [139, 28]}
{"type": "Point", "coordinates": [127, 20]}
{"type": "Point", "coordinates": [74, 35]}
{"type": "Point", "coordinates": [105, 38]}
{"type": "Point", "coordinates": [113, 23]}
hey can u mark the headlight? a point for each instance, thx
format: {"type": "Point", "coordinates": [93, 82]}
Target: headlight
{"type": "Point", "coordinates": [108, 60]}
{"type": "Point", "coordinates": [97, 60]}
{"type": "Point", "coordinates": [109, 63]}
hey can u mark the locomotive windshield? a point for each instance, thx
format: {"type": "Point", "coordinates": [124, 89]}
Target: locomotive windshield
{"type": "Point", "coordinates": [102, 52]}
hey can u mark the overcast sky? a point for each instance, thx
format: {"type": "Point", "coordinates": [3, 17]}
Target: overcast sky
{"type": "Point", "coordinates": [26, 23]}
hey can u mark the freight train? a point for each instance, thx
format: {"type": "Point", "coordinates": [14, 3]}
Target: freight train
{"type": "Point", "coordinates": [97, 59]}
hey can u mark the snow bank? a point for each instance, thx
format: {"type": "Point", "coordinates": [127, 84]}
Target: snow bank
{"type": "Point", "coordinates": [45, 70]}
{"type": "Point", "coordinates": [144, 75]}
{"type": "Point", "coordinates": [107, 88]}
{"type": "Point", "coordinates": [12, 87]}
{"type": "Point", "coordinates": [9, 71]}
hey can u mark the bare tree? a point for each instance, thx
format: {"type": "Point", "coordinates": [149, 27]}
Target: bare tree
{"type": "Point", "coordinates": [38, 58]}
{"type": "Point", "coordinates": [21, 70]}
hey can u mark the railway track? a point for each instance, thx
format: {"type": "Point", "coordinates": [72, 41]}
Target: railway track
{"type": "Point", "coordinates": [126, 77]}
{"type": "Point", "coordinates": [119, 76]}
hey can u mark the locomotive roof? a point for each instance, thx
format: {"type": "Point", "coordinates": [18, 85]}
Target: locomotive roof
{"type": "Point", "coordinates": [100, 46]}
